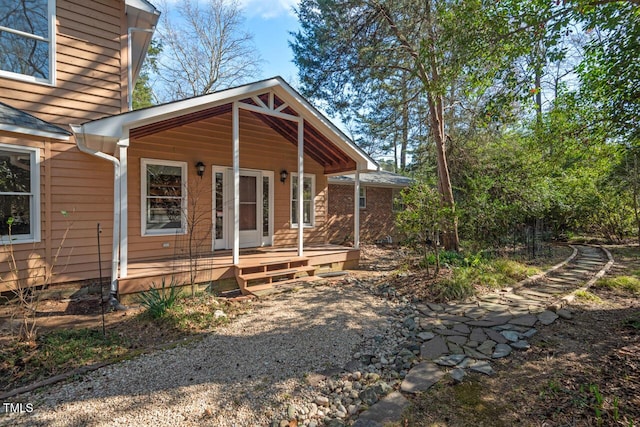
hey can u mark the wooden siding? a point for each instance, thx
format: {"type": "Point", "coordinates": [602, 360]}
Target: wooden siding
{"type": "Point", "coordinates": [90, 84]}
{"type": "Point", "coordinates": [68, 242]}
{"type": "Point", "coordinates": [209, 141]}
{"type": "Point", "coordinates": [90, 61]}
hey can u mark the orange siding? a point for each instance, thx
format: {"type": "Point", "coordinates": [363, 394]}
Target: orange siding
{"type": "Point", "coordinates": [209, 141]}
{"type": "Point", "coordinates": [68, 244]}
{"type": "Point", "coordinates": [89, 65]}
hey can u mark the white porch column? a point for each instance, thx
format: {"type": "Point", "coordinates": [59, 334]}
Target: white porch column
{"type": "Point", "coordinates": [235, 124]}
{"type": "Point", "coordinates": [123, 144]}
{"type": "Point", "coordinates": [301, 187]}
{"type": "Point", "coordinates": [356, 210]}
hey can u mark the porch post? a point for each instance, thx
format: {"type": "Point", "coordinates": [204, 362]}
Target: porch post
{"type": "Point", "coordinates": [236, 183]}
{"type": "Point", "coordinates": [301, 187]}
{"type": "Point", "coordinates": [356, 210]}
{"type": "Point", "coordinates": [124, 208]}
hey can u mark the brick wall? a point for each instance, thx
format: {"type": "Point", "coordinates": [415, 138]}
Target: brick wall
{"type": "Point", "coordinates": [376, 219]}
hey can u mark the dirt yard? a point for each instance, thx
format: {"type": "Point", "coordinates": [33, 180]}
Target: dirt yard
{"type": "Point", "coordinates": [581, 371]}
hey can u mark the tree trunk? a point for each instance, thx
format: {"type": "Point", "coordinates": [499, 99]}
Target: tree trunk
{"type": "Point", "coordinates": [635, 193]}
{"type": "Point", "coordinates": [405, 136]}
{"type": "Point", "coordinates": [450, 232]}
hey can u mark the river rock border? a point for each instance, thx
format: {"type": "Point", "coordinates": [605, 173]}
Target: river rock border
{"type": "Point", "coordinates": [424, 343]}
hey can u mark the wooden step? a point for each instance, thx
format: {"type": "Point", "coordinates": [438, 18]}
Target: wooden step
{"type": "Point", "coordinates": [268, 277]}
{"type": "Point", "coordinates": [272, 265]}
{"type": "Point", "coordinates": [272, 288]}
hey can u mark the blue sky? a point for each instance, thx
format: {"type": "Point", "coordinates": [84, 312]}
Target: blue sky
{"type": "Point", "coordinates": [270, 22]}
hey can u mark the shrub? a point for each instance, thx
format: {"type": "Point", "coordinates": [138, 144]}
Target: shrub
{"type": "Point", "coordinates": [158, 301]}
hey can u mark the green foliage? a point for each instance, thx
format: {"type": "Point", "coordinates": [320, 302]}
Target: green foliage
{"type": "Point", "coordinates": [588, 296]}
{"type": "Point", "coordinates": [143, 92]}
{"type": "Point", "coordinates": [158, 300]}
{"type": "Point", "coordinates": [478, 271]}
{"type": "Point", "coordinates": [81, 346]}
{"type": "Point", "coordinates": [56, 352]}
{"type": "Point", "coordinates": [199, 313]}
{"type": "Point", "coordinates": [449, 258]}
{"type": "Point", "coordinates": [610, 71]}
{"type": "Point", "coordinates": [630, 284]}
{"type": "Point", "coordinates": [453, 289]}
{"type": "Point", "coordinates": [422, 219]}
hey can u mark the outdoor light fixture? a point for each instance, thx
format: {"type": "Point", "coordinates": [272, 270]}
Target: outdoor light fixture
{"type": "Point", "coordinates": [200, 169]}
{"type": "Point", "coordinates": [283, 175]}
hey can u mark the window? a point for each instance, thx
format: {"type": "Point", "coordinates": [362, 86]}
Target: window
{"type": "Point", "coordinates": [363, 197]}
{"type": "Point", "coordinates": [27, 43]}
{"type": "Point", "coordinates": [308, 190]}
{"type": "Point", "coordinates": [398, 201]}
{"type": "Point", "coordinates": [19, 193]}
{"type": "Point", "coordinates": [163, 196]}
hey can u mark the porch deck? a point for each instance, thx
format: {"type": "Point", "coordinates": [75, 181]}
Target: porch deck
{"type": "Point", "coordinates": [218, 269]}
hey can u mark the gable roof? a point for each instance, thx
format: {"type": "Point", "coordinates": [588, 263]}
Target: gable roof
{"type": "Point", "coordinates": [374, 179]}
{"type": "Point", "coordinates": [324, 142]}
{"type": "Point", "coordinates": [17, 121]}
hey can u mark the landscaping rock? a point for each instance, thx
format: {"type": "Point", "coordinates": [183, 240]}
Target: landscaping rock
{"type": "Point", "coordinates": [421, 377]}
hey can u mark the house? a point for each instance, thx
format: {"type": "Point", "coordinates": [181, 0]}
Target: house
{"type": "Point", "coordinates": [227, 186]}
{"type": "Point", "coordinates": [378, 200]}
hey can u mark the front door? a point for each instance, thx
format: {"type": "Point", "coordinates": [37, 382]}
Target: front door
{"type": "Point", "coordinates": [250, 209]}
{"type": "Point", "coordinates": [256, 207]}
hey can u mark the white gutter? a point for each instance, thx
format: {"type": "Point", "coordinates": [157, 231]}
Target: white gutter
{"type": "Point", "coordinates": [78, 130]}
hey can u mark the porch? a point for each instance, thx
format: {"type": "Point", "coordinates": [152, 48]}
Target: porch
{"type": "Point", "coordinates": [260, 267]}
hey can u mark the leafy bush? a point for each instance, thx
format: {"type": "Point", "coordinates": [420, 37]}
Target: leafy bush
{"type": "Point", "coordinates": [478, 271]}
{"type": "Point", "coordinates": [158, 301]}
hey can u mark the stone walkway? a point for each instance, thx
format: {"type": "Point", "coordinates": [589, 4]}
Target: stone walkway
{"type": "Point", "coordinates": [464, 337]}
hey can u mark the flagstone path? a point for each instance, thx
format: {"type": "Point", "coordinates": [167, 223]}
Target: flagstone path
{"type": "Point", "coordinates": [463, 337]}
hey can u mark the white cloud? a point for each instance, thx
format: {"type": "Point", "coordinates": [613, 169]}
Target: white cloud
{"type": "Point", "coordinates": [268, 9]}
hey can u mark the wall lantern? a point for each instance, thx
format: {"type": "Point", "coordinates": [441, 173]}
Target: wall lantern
{"type": "Point", "coordinates": [283, 175]}
{"type": "Point", "coordinates": [200, 169]}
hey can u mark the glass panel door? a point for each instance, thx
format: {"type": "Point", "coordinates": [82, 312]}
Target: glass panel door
{"type": "Point", "coordinates": [248, 203]}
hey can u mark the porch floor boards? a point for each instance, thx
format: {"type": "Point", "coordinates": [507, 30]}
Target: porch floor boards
{"type": "Point", "coordinates": [219, 265]}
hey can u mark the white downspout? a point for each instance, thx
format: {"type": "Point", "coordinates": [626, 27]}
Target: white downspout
{"type": "Point", "coordinates": [123, 144]}
{"type": "Point", "coordinates": [356, 210]}
{"type": "Point", "coordinates": [130, 59]}
{"type": "Point", "coordinates": [80, 143]}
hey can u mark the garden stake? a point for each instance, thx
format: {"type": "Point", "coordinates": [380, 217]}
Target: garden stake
{"type": "Point", "coordinates": [99, 230]}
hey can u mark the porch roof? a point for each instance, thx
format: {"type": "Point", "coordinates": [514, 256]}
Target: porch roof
{"type": "Point", "coordinates": [17, 121]}
{"type": "Point", "coordinates": [323, 141]}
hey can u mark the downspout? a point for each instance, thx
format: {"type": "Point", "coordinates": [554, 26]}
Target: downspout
{"type": "Point", "coordinates": [130, 59]}
{"type": "Point", "coordinates": [80, 143]}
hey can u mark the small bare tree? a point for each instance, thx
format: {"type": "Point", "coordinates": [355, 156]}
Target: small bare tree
{"type": "Point", "coordinates": [198, 227]}
{"type": "Point", "coordinates": [204, 48]}
{"type": "Point", "coordinates": [26, 280]}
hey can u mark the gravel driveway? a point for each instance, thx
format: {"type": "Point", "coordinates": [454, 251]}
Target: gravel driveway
{"type": "Point", "coordinates": [244, 374]}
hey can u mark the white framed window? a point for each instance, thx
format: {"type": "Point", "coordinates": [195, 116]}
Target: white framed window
{"type": "Point", "coordinates": [164, 197]}
{"type": "Point", "coordinates": [363, 197]}
{"type": "Point", "coordinates": [19, 194]}
{"type": "Point", "coordinates": [308, 200]}
{"type": "Point", "coordinates": [27, 40]}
